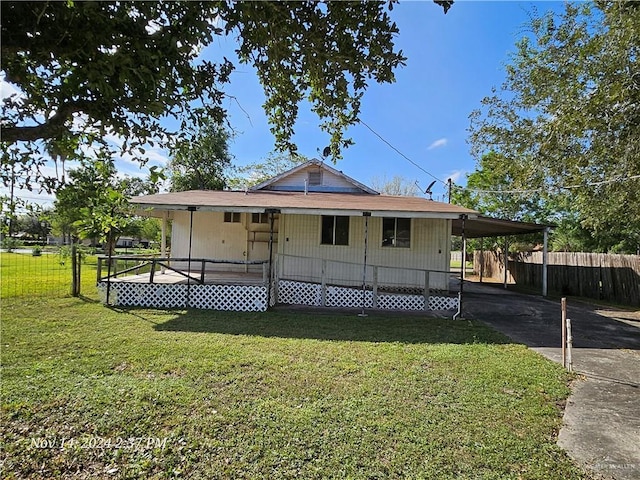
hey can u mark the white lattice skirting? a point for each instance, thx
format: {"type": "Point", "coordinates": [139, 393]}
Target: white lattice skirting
{"type": "Point", "coordinates": [239, 298]}
{"type": "Point", "coordinates": [253, 298]}
{"type": "Point", "coordinates": [304, 293]}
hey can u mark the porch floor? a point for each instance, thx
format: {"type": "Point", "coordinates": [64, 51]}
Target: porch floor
{"type": "Point", "coordinates": [214, 278]}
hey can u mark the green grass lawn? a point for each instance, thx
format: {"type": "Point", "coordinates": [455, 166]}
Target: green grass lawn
{"type": "Point", "coordinates": [49, 275]}
{"type": "Point", "coordinates": [202, 394]}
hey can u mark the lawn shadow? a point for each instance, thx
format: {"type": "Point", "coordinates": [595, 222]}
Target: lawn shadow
{"type": "Point", "coordinates": [334, 326]}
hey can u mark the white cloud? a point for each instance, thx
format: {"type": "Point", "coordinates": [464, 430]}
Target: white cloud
{"type": "Point", "coordinates": [457, 175]}
{"type": "Point", "coordinates": [7, 89]}
{"type": "Point", "coordinates": [441, 142]}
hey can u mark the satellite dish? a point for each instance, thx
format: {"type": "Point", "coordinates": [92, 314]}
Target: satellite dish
{"type": "Point", "coordinates": [428, 190]}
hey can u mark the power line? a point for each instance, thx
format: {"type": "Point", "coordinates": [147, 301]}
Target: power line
{"type": "Point", "coordinates": [401, 154]}
{"type": "Point", "coordinates": [510, 191]}
{"type": "Point", "coordinates": [556, 187]}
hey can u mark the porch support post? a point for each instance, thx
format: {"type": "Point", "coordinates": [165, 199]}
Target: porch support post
{"type": "Point", "coordinates": [163, 238]}
{"type": "Point", "coordinates": [110, 256]}
{"type": "Point", "coordinates": [506, 261]}
{"type": "Point", "coordinates": [271, 212]}
{"type": "Point", "coordinates": [191, 210]}
{"type": "Point", "coordinates": [366, 216]}
{"type": "Point", "coordinates": [481, 258]}
{"type": "Point", "coordinates": [375, 286]}
{"type": "Point", "coordinates": [464, 252]}
{"type": "Point", "coordinates": [426, 290]}
{"type": "Point", "coordinates": [323, 283]}
{"type": "Point", "coordinates": [545, 261]}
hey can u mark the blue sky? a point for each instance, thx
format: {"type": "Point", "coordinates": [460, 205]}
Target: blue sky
{"type": "Point", "coordinates": [454, 60]}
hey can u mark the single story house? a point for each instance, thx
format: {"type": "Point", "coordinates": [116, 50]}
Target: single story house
{"type": "Point", "coordinates": [311, 236]}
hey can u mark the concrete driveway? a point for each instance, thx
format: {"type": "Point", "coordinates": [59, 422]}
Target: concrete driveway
{"type": "Point", "coordinates": [602, 417]}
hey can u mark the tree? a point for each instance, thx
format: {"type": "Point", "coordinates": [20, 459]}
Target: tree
{"type": "Point", "coordinates": [93, 204]}
{"type": "Point", "coordinates": [489, 191]}
{"type": "Point", "coordinates": [85, 70]}
{"type": "Point", "coordinates": [274, 164]}
{"type": "Point", "coordinates": [200, 163]}
{"type": "Point", "coordinates": [396, 186]}
{"type": "Point", "coordinates": [107, 217]}
{"type": "Point", "coordinates": [566, 122]}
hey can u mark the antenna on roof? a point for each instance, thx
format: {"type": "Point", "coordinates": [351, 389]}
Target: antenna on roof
{"type": "Point", "coordinates": [325, 152]}
{"type": "Point", "coordinates": [428, 190]}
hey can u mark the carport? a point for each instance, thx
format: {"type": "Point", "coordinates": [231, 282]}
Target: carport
{"type": "Point", "coordinates": [482, 226]}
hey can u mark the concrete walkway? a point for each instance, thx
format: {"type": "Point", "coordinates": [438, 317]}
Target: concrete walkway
{"type": "Point", "coordinates": [602, 418]}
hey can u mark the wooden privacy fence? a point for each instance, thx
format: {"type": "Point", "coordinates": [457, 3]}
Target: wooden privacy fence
{"type": "Point", "coordinates": [615, 278]}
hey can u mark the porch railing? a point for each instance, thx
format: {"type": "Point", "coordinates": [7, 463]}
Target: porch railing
{"type": "Point", "coordinates": [150, 264]}
{"type": "Point", "coordinates": [377, 279]}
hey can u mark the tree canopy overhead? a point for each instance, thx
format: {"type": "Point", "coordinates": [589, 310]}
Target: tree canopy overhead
{"type": "Point", "coordinates": [87, 69]}
{"type": "Point", "coordinates": [566, 122]}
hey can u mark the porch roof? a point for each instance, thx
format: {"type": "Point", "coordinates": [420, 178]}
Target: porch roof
{"type": "Point", "coordinates": [300, 203]}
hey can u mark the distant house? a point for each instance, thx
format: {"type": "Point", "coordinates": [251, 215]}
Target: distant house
{"type": "Point", "coordinates": [312, 236]}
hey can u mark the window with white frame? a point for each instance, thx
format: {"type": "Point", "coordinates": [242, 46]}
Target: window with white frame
{"type": "Point", "coordinates": [396, 232]}
{"type": "Point", "coordinates": [335, 230]}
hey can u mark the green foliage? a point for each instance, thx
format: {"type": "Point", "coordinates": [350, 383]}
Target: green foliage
{"type": "Point", "coordinates": [10, 244]}
{"type": "Point", "coordinates": [273, 395]}
{"type": "Point", "coordinates": [566, 122]}
{"type": "Point", "coordinates": [489, 191]}
{"type": "Point", "coordinates": [93, 204]}
{"type": "Point", "coordinates": [199, 163]}
{"type": "Point", "coordinates": [107, 217]}
{"type": "Point", "coordinates": [87, 70]}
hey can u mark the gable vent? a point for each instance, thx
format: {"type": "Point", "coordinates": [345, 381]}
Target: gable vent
{"type": "Point", "coordinates": [315, 178]}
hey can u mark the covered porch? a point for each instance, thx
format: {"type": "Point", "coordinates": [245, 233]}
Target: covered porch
{"type": "Point", "coordinates": [163, 282]}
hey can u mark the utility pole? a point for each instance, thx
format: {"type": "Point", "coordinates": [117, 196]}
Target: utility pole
{"type": "Point", "coordinates": [449, 182]}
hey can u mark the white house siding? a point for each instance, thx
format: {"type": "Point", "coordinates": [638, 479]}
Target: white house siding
{"type": "Point", "coordinates": [215, 239]}
{"type": "Point", "coordinates": [300, 237]}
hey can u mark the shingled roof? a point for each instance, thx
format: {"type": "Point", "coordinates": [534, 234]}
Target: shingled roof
{"type": "Point", "coordinates": [301, 203]}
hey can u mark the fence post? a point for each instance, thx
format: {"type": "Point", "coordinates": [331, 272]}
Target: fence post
{"type": "Point", "coordinates": [74, 274]}
{"type": "Point", "coordinates": [563, 307]}
{"type": "Point", "coordinates": [79, 277]}
{"type": "Point", "coordinates": [569, 346]}
{"type": "Point", "coordinates": [99, 270]}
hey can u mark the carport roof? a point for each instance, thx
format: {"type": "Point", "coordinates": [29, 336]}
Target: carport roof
{"type": "Point", "coordinates": [482, 226]}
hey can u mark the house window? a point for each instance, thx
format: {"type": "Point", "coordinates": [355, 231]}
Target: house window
{"type": "Point", "coordinates": [396, 232]}
{"type": "Point", "coordinates": [259, 218]}
{"type": "Point", "coordinates": [335, 230]}
{"type": "Point", "coordinates": [315, 178]}
{"type": "Point", "coordinates": [232, 217]}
